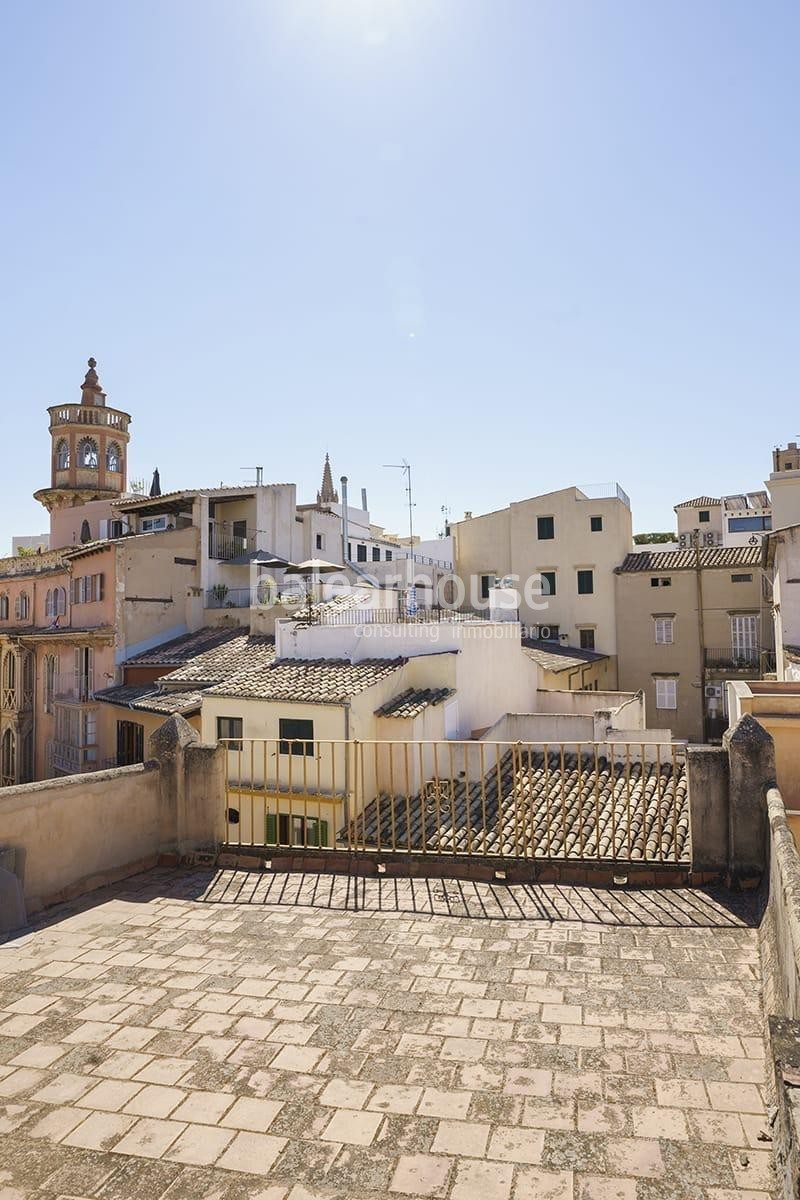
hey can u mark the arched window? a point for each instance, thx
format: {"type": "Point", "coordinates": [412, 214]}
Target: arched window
{"type": "Point", "coordinates": [86, 533]}
{"type": "Point", "coordinates": [62, 456]}
{"type": "Point", "coordinates": [22, 608]}
{"type": "Point", "coordinates": [113, 457]}
{"type": "Point", "coordinates": [48, 605]}
{"type": "Point", "coordinates": [10, 672]}
{"type": "Point", "coordinates": [28, 676]}
{"type": "Point", "coordinates": [87, 454]}
{"type": "Point", "coordinates": [49, 682]}
{"type": "Point", "coordinates": [4, 607]}
{"type": "Point", "coordinates": [8, 759]}
{"type": "Point", "coordinates": [59, 601]}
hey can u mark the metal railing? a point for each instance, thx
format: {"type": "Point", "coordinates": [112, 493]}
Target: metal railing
{"type": "Point", "coordinates": [224, 546]}
{"type": "Point", "coordinates": [75, 760]}
{"type": "Point", "coordinates": [362, 615]}
{"type": "Point", "coordinates": [604, 491]}
{"type": "Point", "coordinates": [732, 658]}
{"type": "Point", "coordinates": [221, 596]}
{"type": "Point", "coordinates": [610, 802]}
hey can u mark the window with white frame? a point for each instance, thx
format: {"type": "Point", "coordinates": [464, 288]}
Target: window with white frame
{"type": "Point", "coordinates": [666, 693]}
{"type": "Point", "coordinates": [664, 627]}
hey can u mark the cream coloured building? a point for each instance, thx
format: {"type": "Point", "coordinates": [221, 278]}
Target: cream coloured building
{"type": "Point", "coordinates": [560, 551]}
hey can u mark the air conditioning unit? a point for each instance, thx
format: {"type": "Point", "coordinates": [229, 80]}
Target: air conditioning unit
{"type": "Point", "coordinates": [713, 691]}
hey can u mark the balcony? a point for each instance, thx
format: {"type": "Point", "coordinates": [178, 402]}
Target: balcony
{"type": "Point", "coordinates": [226, 546]}
{"type": "Point", "coordinates": [74, 760]}
{"type": "Point", "coordinates": [603, 491]}
{"type": "Point", "coordinates": [77, 414]}
{"type": "Point", "coordinates": [72, 688]}
{"type": "Point", "coordinates": [221, 596]}
{"type": "Point", "coordinates": [748, 659]}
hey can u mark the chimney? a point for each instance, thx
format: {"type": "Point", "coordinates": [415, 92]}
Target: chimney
{"type": "Point", "coordinates": [467, 516]}
{"type": "Point", "coordinates": [345, 529]}
{"type": "Point", "coordinates": [364, 499]}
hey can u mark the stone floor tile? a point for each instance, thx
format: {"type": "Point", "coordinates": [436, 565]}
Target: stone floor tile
{"type": "Point", "coordinates": [23, 1079]}
{"type": "Point", "coordinates": [447, 1105]}
{"type": "Point", "coordinates": [634, 1156]}
{"type": "Point", "coordinates": [254, 1153]}
{"type": "Point", "coordinates": [297, 1058]}
{"type": "Point", "coordinates": [345, 1093]}
{"type": "Point", "coordinates": [510, 1144]}
{"type": "Point", "coordinates": [155, 1100]}
{"type": "Point", "coordinates": [600, 1187]}
{"type": "Point", "coordinates": [528, 1082]}
{"type": "Point", "coordinates": [479, 1180]}
{"type": "Point", "coordinates": [122, 1064]}
{"type": "Point", "coordinates": [658, 1122]}
{"type": "Point", "coordinates": [251, 1113]}
{"type": "Point", "coordinates": [98, 1131]}
{"type": "Point", "coordinates": [167, 1071]}
{"type": "Point", "coordinates": [421, 1175]}
{"type": "Point", "coordinates": [149, 1138]}
{"type": "Point", "coordinates": [681, 1093]}
{"type": "Point", "coordinates": [205, 1108]}
{"type": "Point", "coordinates": [64, 1088]}
{"type": "Point", "coordinates": [467, 1138]}
{"type": "Point", "coordinates": [395, 1098]}
{"type": "Point", "coordinates": [109, 1096]}
{"type": "Point", "coordinates": [40, 1054]}
{"type": "Point", "coordinates": [535, 1183]}
{"type": "Point", "coordinates": [735, 1097]}
{"type": "Point", "coordinates": [602, 1118]}
{"type": "Point", "coordinates": [199, 1145]}
{"type": "Point", "coordinates": [354, 1128]}
{"type": "Point", "coordinates": [718, 1128]}
{"type": "Point", "coordinates": [56, 1123]}
{"type": "Point", "coordinates": [757, 1172]}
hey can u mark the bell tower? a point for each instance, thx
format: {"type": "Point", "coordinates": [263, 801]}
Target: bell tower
{"type": "Point", "coordinates": [89, 449]}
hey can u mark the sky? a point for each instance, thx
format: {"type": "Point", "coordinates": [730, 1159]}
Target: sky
{"type": "Point", "coordinates": [521, 244]}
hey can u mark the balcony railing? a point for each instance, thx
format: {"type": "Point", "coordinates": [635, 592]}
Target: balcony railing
{"type": "Point", "coordinates": [73, 688]}
{"type": "Point", "coordinates": [604, 491]}
{"type": "Point", "coordinates": [393, 616]}
{"type": "Point", "coordinates": [225, 546]}
{"type": "Point", "coordinates": [225, 597]}
{"type": "Point", "coordinates": [75, 760]}
{"type": "Point", "coordinates": [734, 658]}
{"type": "Point", "coordinates": [77, 414]}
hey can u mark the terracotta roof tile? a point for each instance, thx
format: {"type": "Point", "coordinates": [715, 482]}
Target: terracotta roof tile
{"type": "Point", "coordinates": [242, 651]}
{"type": "Point", "coordinates": [308, 681]}
{"type": "Point", "coordinates": [149, 698]}
{"type": "Point", "coordinates": [413, 701]}
{"type": "Point", "coordinates": [590, 816]}
{"type": "Point", "coordinates": [700, 502]}
{"type": "Point", "coordinates": [181, 649]}
{"type": "Point", "coordinates": [553, 657]}
{"type": "Point", "coordinates": [684, 560]}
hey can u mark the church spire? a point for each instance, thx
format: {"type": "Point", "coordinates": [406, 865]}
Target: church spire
{"type": "Point", "coordinates": [91, 391]}
{"type": "Point", "coordinates": [326, 494]}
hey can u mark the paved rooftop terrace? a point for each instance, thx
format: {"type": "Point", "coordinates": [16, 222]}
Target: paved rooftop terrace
{"type": "Point", "coordinates": [190, 1036]}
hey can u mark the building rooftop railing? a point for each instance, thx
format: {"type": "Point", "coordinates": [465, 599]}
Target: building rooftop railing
{"type": "Point", "coordinates": [604, 491]}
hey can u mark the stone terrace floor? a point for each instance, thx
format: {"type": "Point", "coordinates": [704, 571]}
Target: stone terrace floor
{"type": "Point", "coordinates": [191, 1035]}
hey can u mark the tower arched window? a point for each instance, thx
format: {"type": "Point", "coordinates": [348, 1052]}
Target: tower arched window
{"type": "Point", "coordinates": [62, 456]}
{"type": "Point", "coordinates": [3, 607]}
{"type": "Point", "coordinates": [8, 759]}
{"type": "Point", "coordinates": [87, 454]}
{"type": "Point", "coordinates": [10, 672]}
{"type": "Point", "coordinates": [22, 608]}
{"type": "Point", "coordinates": [59, 601]}
{"type": "Point", "coordinates": [50, 673]}
{"type": "Point", "coordinates": [113, 457]}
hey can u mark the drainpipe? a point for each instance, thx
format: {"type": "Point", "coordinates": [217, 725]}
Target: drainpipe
{"type": "Point", "coordinates": [345, 530]}
{"type": "Point", "coordinates": [700, 629]}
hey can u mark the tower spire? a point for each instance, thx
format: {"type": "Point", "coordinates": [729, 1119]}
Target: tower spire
{"type": "Point", "coordinates": [327, 494]}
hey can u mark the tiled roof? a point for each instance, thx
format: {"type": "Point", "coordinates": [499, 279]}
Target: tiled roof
{"type": "Point", "coordinates": [412, 702]}
{"type": "Point", "coordinates": [329, 608]}
{"type": "Point", "coordinates": [700, 502]}
{"type": "Point", "coordinates": [308, 681]}
{"type": "Point", "coordinates": [242, 651]}
{"type": "Point", "coordinates": [148, 698]}
{"type": "Point", "coordinates": [626, 812]}
{"type": "Point", "coordinates": [179, 650]}
{"type": "Point", "coordinates": [685, 560]}
{"type": "Point", "coordinates": [552, 657]}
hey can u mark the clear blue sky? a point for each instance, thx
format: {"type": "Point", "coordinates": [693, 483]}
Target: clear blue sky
{"type": "Point", "coordinates": [521, 244]}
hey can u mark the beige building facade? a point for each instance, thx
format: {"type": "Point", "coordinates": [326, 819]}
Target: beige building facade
{"type": "Point", "coordinates": [688, 620]}
{"type": "Point", "coordinates": [559, 551]}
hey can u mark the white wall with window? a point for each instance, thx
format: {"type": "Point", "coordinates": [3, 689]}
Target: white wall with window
{"type": "Point", "coordinates": [664, 628]}
{"type": "Point", "coordinates": [666, 693]}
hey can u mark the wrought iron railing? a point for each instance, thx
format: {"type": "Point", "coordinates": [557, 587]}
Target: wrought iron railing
{"type": "Point", "coordinates": [362, 615]}
{"type": "Point", "coordinates": [581, 802]}
{"type": "Point", "coordinates": [225, 546]}
{"type": "Point", "coordinates": [732, 658]}
{"type": "Point", "coordinates": [73, 687]}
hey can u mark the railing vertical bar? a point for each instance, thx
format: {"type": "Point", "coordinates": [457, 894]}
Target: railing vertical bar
{"type": "Point", "coordinates": [660, 792]}
{"type": "Point", "coordinates": [228, 794]}
{"type": "Point", "coordinates": [581, 840]}
{"type": "Point", "coordinates": [498, 778]}
{"type": "Point", "coordinates": [452, 790]}
{"type": "Point", "coordinates": [642, 790]}
{"type": "Point", "coordinates": [482, 768]}
{"type": "Point", "coordinates": [407, 791]}
{"type": "Point", "coordinates": [377, 796]}
{"type": "Point", "coordinates": [437, 787]}
{"type": "Point", "coordinates": [628, 796]}
{"type": "Point", "coordinates": [612, 787]}
{"type": "Point", "coordinates": [252, 794]}
{"type": "Point", "coordinates": [239, 764]}
{"type": "Point", "coordinates": [305, 793]}
{"type": "Point", "coordinates": [597, 801]}
{"type": "Point", "coordinates": [548, 807]}
{"type": "Point", "coordinates": [423, 800]}
{"type": "Point", "coordinates": [392, 795]}
{"type": "Point", "coordinates": [674, 782]}
{"type": "Point", "coordinates": [563, 799]}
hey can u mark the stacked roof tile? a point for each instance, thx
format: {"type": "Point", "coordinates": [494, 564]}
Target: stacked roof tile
{"type": "Point", "coordinates": [552, 657]}
{"type": "Point", "coordinates": [686, 560]}
{"type": "Point", "coordinates": [181, 649]}
{"type": "Point", "coordinates": [241, 652]}
{"type": "Point", "coordinates": [545, 807]}
{"type": "Point", "coordinates": [308, 681]}
{"type": "Point", "coordinates": [150, 698]}
{"type": "Point", "coordinates": [413, 701]}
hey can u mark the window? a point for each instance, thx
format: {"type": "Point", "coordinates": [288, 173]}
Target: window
{"type": "Point", "coordinates": [587, 639]}
{"type": "Point", "coordinates": [704, 516]}
{"type": "Point", "coordinates": [744, 638]}
{"type": "Point", "coordinates": [545, 633]}
{"type": "Point", "coordinates": [545, 528]}
{"type": "Point", "coordinates": [749, 524]}
{"type": "Point", "coordinates": [654, 582]}
{"type": "Point", "coordinates": [86, 533]}
{"type": "Point", "coordinates": [10, 672]}
{"type": "Point", "coordinates": [22, 607]}
{"type": "Point", "coordinates": [296, 736]}
{"type": "Point", "coordinates": [113, 462]}
{"type": "Point", "coordinates": [376, 554]}
{"type": "Point", "coordinates": [320, 542]}
{"type": "Point", "coordinates": [130, 743]}
{"type": "Point", "coordinates": [50, 673]}
{"type": "Point", "coordinates": [88, 589]}
{"type": "Point", "coordinates": [548, 579]}
{"type": "Point", "coordinates": [3, 607]}
{"type": "Point", "coordinates": [152, 524]}
{"type": "Point", "coordinates": [388, 555]}
{"type": "Point", "coordinates": [666, 693]}
{"type": "Point", "coordinates": [55, 604]}
{"type": "Point", "coordinates": [87, 454]}
{"type": "Point", "coordinates": [8, 759]}
{"type": "Point", "coordinates": [361, 553]}
{"type": "Point", "coordinates": [585, 583]}
{"type": "Point", "coordinates": [240, 531]}
{"type": "Point", "coordinates": [596, 524]}
{"type": "Point", "coordinates": [741, 578]}
{"type": "Point", "coordinates": [349, 550]}
{"type": "Point", "coordinates": [664, 631]}
{"type": "Point", "coordinates": [487, 582]}
{"type": "Point", "coordinates": [231, 728]}
{"type": "Point", "coordinates": [283, 829]}
{"type": "Point", "coordinates": [62, 456]}
{"type": "Point", "coordinates": [116, 529]}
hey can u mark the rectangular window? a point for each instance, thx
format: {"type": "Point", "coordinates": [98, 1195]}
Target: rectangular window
{"type": "Point", "coordinates": [388, 556]}
{"type": "Point", "coordinates": [152, 524]}
{"type": "Point", "coordinates": [545, 528]}
{"type": "Point", "coordinates": [749, 524]}
{"type": "Point", "coordinates": [130, 743]}
{"type": "Point", "coordinates": [596, 524]}
{"type": "Point", "coordinates": [587, 639]}
{"type": "Point", "coordinates": [376, 554]}
{"type": "Point", "coordinates": [585, 583]}
{"type": "Point", "coordinates": [231, 727]}
{"type": "Point", "coordinates": [361, 553]}
{"type": "Point", "coordinates": [320, 542]}
{"type": "Point", "coordinates": [666, 693]}
{"type": "Point", "coordinates": [349, 550]}
{"type": "Point", "coordinates": [655, 582]}
{"type": "Point", "coordinates": [283, 829]}
{"type": "Point", "coordinates": [297, 737]}
{"type": "Point", "coordinates": [703, 516]}
{"type": "Point", "coordinates": [664, 631]}
{"type": "Point", "coordinates": [741, 578]}
{"type": "Point", "coordinates": [545, 633]}
{"type": "Point", "coordinates": [548, 583]}
{"type": "Point", "coordinates": [487, 582]}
